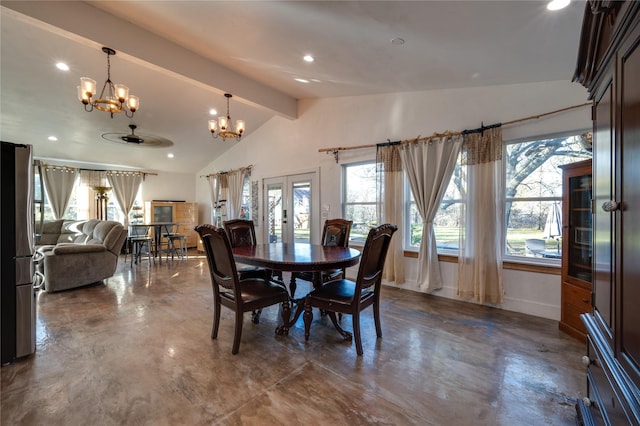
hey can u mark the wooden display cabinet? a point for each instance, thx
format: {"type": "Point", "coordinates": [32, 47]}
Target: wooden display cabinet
{"type": "Point", "coordinates": [576, 247]}
{"type": "Point", "coordinates": [183, 213]}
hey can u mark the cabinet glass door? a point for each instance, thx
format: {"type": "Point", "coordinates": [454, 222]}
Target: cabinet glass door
{"type": "Point", "coordinates": [580, 235]}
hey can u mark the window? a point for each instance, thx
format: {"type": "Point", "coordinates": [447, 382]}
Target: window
{"type": "Point", "coordinates": [47, 212]}
{"type": "Point", "coordinates": [82, 204]}
{"type": "Point", "coordinates": [359, 198]}
{"type": "Point", "coordinates": [533, 192]}
{"type": "Point", "coordinates": [246, 199]}
{"type": "Point", "coordinates": [446, 223]}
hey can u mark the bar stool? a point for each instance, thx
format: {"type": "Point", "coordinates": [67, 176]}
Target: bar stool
{"type": "Point", "coordinates": [138, 240]}
{"type": "Point", "coordinates": [176, 243]}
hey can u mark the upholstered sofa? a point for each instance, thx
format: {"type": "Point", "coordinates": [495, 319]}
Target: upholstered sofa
{"type": "Point", "coordinates": [81, 253]}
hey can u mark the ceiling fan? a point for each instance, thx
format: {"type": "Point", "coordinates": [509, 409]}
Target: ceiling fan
{"type": "Point", "coordinates": [138, 140]}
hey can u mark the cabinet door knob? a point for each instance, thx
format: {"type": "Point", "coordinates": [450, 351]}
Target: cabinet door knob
{"type": "Point", "coordinates": [586, 401]}
{"type": "Point", "coordinates": [586, 361]}
{"type": "Point", "coordinates": [610, 206]}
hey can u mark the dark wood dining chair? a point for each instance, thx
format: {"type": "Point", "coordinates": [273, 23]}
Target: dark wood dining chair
{"type": "Point", "coordinates": [242, 233]}
{"type": "Point", "coordinates": [335, 233]}
{"type": "Point", "coordinates": [240, 296]}
{"type": "Point", "coordinates": [351, 297]}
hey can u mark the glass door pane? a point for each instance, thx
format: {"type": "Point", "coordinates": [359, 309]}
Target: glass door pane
{"type": "Point", "coordinates": [302, 212]}
{"type": "Point", "coordinates": [274, 207]}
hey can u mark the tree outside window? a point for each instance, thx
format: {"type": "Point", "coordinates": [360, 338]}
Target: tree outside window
{"type": "Point", "coordinates": [533, 192]}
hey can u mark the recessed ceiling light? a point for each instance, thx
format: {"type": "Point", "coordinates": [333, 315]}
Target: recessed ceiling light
{"type": "Point", "coordinates": [170, 155]}
{"type": "Point", "coordinates": [308, 58]}
{"type": "Point", "coordinates": [62, 66]}
{"type": "Point", "coordinates": [558, 4]}
{"type": "Point", "coordinates": [301, 80]}
{"type": "Point", "coordinates": [52, 138]}
{"type": "Point", "coordinates": [212, 111]}
{"type": "Point", "coordinates": [397, 41]}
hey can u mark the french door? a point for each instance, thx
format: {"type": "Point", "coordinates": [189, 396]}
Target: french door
{"type": "Point", "coordinates": [291, 208]}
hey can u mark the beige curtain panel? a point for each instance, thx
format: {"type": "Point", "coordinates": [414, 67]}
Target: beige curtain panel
{"type": "Point", "coordinates": [480, 258]}
{"type": "Point", "coordinates": [58, 184]}
{"type": "Point", "coordinates": [389, 185]}
{"type": "Point", "coordinates": [429, 164]}
{"type": "Point", "coordinates": [125, 186]}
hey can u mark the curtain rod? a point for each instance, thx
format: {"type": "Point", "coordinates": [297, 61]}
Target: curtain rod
{"type": "Point", "coordinates": [336, 150]}
{"type": "Point", "coordinates": [118, 171]}
{"type": "Point", "coordinates": [81, 169]}
{"type": "Point", "coordinates": [227, 172]}
{"type": "Point", "coordinates": [389, 143]}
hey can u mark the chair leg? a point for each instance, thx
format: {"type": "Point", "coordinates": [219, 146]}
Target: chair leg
{"type": "Point", "coordinates": [127, 250]}
{"type": "Point", "coordinates": [136, 253]}
{"type": "Point", "coordinates": [216, 319]}
{"type": "Point", "coordinates": [183, 249]}
{"type": "Point", "coordinates": [356, 332]}
{"type": "Point", "coordinates": [152, 259]}
{"type": "Point", "coordinates": [345, 334]}
{"type": "Point", "coordinates": [293, 285]}
{"type": "Point", "coordinates": [376, 317]}
{"type": "Point", "coordinates": [130, 250]}
{"type": "Point", "coordinates": [307, 317]}
{"type": "Point", "coordinates": [238, 332]}
{"type": "Point", "coordinates": [171, 247]}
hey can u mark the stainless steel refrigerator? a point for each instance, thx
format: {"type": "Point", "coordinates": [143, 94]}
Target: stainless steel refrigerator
{"type": "Point", "coordinates": [17, 295]}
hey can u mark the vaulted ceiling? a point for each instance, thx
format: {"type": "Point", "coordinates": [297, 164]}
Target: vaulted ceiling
{"type": "Point", "coordinates": [180, 57]}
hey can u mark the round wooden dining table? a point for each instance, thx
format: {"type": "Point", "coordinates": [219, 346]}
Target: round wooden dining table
{"type": "Point", "coordinates": [297, 257]}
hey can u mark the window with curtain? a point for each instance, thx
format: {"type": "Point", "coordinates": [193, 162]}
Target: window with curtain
{"type": "Point", "coordinates": [82, 203]}
{"type": "Point", "coordinates": [359, 198]}
{"type": "Point", "coordinates": [74, 208]}
{"type": "Point", "coordinates": [47, 211]}
{"type": "Point", "coordinates": [533, 190]}
{"type": "Point", "coordinates": [446, 224]}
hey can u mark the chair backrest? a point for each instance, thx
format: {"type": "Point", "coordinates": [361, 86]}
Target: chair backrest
{"type": "Point", "coordinates": [241, 232]}
{"type": "Point", "coordinates": [336, 232]}
{"type": "Point", "coordinates": [373, 257]}
{"type": "Point", "coordinates": [171, 229]}
{"type": "Point", "coordinates": [138, 230]}
{"type": "Point", "coordinates": [222, 266]}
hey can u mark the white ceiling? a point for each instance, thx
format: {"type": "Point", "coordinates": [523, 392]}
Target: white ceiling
{"type": "Point", "coordinates": [181, 56]}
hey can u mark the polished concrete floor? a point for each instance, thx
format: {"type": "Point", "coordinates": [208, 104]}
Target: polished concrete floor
{"type": "Point", "coordinates": [136, 350]}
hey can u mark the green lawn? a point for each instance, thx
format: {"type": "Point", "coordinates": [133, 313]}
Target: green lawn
{"type": "Point", "coordinates": [448, 237]}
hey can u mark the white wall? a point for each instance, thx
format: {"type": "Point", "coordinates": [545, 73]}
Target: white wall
{"type": "Point", "coordinates": [282, 147]}
{"type": "Point", "coordinates": [169, 186]}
